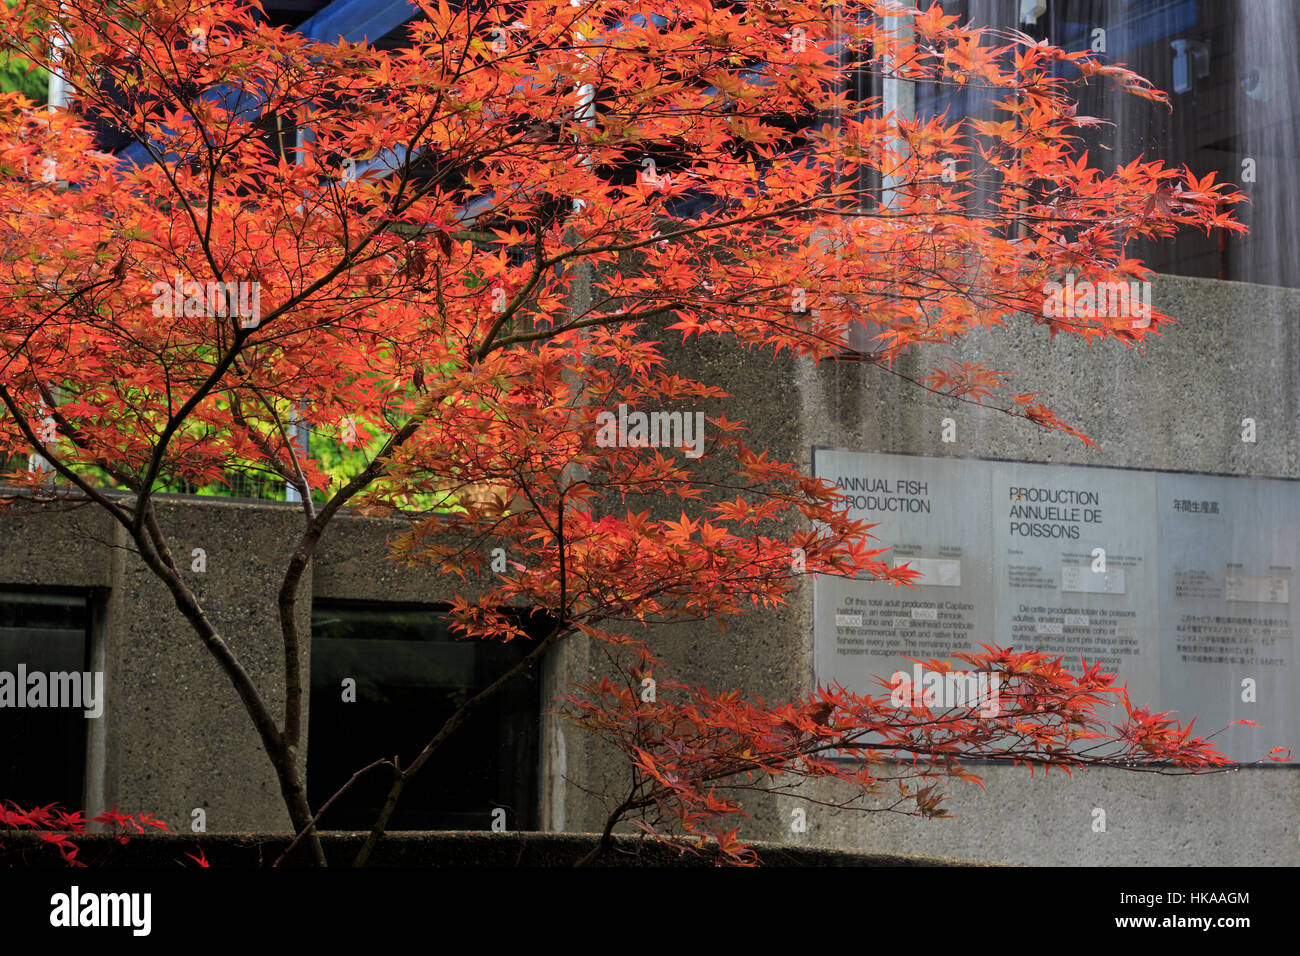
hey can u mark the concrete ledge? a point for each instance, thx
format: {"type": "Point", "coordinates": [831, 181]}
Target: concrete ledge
{"type": "Point", "coordinates": [464, 849]}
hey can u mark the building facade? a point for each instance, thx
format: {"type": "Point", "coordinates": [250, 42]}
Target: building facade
{"type": "Point", "coordinates": [1218, 397]}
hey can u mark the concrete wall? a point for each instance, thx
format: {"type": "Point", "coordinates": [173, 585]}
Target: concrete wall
{"type": "Point", "coordinates": [174, 736]}
{"type": "Point", "coordinates": [193, 746]}
{"type": "Point", "coordinates": [1235, 354]}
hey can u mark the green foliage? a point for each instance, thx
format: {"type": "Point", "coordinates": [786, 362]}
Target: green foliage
{"type": "Point", "coordinates": [17, 75]}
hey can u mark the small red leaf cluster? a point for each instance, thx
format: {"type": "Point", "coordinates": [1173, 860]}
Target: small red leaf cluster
{"type": "Point", "coordinates": [59, 828]}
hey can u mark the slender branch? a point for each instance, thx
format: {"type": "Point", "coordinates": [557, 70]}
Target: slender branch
{"type": "Point", "coordinates": [452, 722]}
{"type": "Point", "coordinates": [329, 803]}
{"type": "Point", "coordinates": [616, 815]}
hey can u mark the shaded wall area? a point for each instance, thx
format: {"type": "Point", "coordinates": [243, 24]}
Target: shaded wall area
{"type": "Point", "coordinates": [1234, 355]}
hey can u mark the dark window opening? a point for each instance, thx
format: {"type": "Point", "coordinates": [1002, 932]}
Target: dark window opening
{"type": "Point", "coordinates": [42, 749]}
{"type": "Point", "coordinates": [412, 673]}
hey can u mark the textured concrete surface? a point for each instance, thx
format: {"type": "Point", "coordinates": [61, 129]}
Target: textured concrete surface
{"type": "Point", "coordinates": [1234, 354]}
{"type": "Point", "coordinates": [175, 737]}
{"type": "Point", "coordinates": [1243, 817]}
{"type": "Point", "coordinates": [352, 564]}
{"type": "Point", "coordinates": [180, 738]}
{"type": "Point", "coordinates": [57, 546]}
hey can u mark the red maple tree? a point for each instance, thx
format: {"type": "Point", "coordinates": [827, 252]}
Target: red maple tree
{"type": "Point", "coordinates": [467, 262]}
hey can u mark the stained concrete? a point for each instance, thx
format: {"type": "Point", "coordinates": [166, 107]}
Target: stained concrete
{"type": "Point", "coordinates": [1234, 354]}
{"type": "Point", "coordinates": [175, 736]}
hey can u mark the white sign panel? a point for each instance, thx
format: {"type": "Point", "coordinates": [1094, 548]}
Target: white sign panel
{"type": "Point", "coordinates": [929, 511]}
{"type": "Point", "coordinates": [1180, 584]}
{"type": "Point", "coordinates": [1228, 627]}
{"type": "Point", "coordinates": [1074, 552]}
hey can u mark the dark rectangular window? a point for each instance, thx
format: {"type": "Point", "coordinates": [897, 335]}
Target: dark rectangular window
{"type": "Point", "coordinates": [42, 749]}
{"type": "Point", "coordinates": [411, 674]}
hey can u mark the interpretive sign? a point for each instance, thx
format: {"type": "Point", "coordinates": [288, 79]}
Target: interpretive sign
{"type": "Point", "coordinates": [1180, 584]}
{"type": "Point", "coordinates": [922, 505]}
{"type": "Point", "coordinates": [1074, 553]}
{"type": "Point", "coordinates": [1227, 575]}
